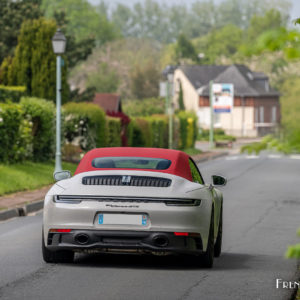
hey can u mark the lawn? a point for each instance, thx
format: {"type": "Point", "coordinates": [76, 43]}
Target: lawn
{"type": "Point", "coordinates": [28, 175]}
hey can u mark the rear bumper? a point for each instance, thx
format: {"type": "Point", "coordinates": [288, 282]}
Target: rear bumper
{"type": "Point", "coordinates": [125, 241]}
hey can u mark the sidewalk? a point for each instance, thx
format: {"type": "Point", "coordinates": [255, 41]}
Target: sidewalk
{"type": "Point", "coordinates": [22, 203]}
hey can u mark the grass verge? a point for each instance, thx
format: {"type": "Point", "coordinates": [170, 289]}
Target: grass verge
{"type": "Point", "coordinates": [28, 175]}
{"type": "Point", "coordinates": [192, 151]}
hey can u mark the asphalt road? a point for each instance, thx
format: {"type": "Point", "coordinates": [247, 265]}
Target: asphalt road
{"type": "Point", "coordinates": [261, 216]}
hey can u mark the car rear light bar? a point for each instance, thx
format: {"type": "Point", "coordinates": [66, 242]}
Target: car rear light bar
{"type": "Point", "coordinates": [73, 199]}
{"type": "Point", "coordinates": [187, 234]}
{"type": "Point", "coordinates": [61, 230]}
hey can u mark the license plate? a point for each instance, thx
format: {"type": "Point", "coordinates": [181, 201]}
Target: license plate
{"type": "Point", "coordinates": [122, 219]}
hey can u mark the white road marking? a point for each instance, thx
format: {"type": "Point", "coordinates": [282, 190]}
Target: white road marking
{"type": "Point", "coordinates": [274, 156]}
{"type": "Point", "coordinates": [294, 156]}
{"type": "Point", "coordinates": [252, 156]}
{"type": "Point", "coordinates": [232, 157]}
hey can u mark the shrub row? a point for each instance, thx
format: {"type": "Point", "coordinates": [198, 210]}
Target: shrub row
{"type": "Point", "coordinates": [12, 93]}
{"type": "Point", "coordinates": [26, 130]}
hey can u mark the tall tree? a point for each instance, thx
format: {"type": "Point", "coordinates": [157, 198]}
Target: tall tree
{"type": "Point", "coordinates": [34, 63]}
{"type": "Point", "coordinates": [84, 20]}
{"type": "Point", "coordinates": [12, 15]}
{"type": "Point", "coordinates": [185, 49]}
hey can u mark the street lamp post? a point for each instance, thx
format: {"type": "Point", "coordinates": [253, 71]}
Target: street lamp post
{"type": "Point", "coordinates": [59, 46]}
{"type": "Point", "coordinates": [170, 109]}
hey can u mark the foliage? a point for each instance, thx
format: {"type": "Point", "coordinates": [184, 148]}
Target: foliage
{"type": "Point", "coordinates": [12, 15]}
{"type": "Point", "coordinates": [223, 41]}
{"type": "Point", "coordinates": [192, 151]}
{"type": "Point", "coordinates": [145, 81]}
{"type": "Point", "coordinates": [113, 132]}
{"type": "Point", "coordinates": [28, 175]}
{"type": "Point", "coordinates": [163, 23]}
{"type": "Point", "coordinates": [185, 49]}
{"type": "Point", "coordinates": [219, 135]}
{"type": "Point", "coordinates": [85, 96]}
{"type": "Point", "coordinates": [34, 63]}
{"type": "Point", "coordinates": [148, 132]}
{"type": "Point", "coordinates": [76, 51]}
{"type": "Point", "coordinates": [144, 107]}
{"type": "Point", "coordinates": [159, 130]}
{"type": "Point", "coordinates": [180, 97]}
{"type": "Point", "coordinates": [85, 125]}
{"type": "Point", "coordinates": [122, 58]}
{"type": "Point", "coordinates": [290, 109]}
{"type": "Point", "coordinates": [267, 143]}
{"type": "Point", "coordinates": [12, 93]}
{"type": "Point", "coordinates": [104, 80]}
{"type": "Point", "coordinates": [41, 114]}
{"type": "Point", "coordinates": [293, 251]}
{"type": "Point", "coordinates": [138, 130]}
{"type": "Point", "coordinates": [83, 20]}
{"type": "Point", "coordinates": [188, 129]}
{"type": "Point", "coordinates": [15, 132]}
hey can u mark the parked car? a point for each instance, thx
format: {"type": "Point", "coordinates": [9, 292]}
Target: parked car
{"type": "Point", "coordinates": [133, 200]}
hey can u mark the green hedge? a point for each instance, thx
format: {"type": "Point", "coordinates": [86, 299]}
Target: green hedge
{"type": "Point", "coordinates": [12, 93]}
{"type": "Point", "coordinates": [84, 124]}
{"type": "Point", "coordinates": [113, 132]}
{"type": "Point", "coordinates": [15, 133]}
{"type": "Point", "coordinates": [42, 115]}
{"type": "Point", "coordinates": [187, 129]}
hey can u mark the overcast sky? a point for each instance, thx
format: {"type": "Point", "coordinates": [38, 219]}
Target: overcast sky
{"type": "Point", "coordinates": [295, 11]}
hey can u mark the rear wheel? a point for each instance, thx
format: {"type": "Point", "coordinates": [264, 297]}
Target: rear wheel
{"type": "Point", "coordinates": [208, 256]}
{"type": "Point", "coordinates": [62, 256]}
{"type": "Point", "coordinates": [218, 244]}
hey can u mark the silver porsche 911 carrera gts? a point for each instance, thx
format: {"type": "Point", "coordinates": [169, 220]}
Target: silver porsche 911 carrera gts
{"type": "Point", "coordinates": [133, 200]}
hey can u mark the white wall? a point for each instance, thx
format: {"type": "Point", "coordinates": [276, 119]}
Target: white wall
{"type": "Point", "coordinates": [232, 123]}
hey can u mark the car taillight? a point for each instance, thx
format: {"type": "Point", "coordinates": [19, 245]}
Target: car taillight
{"type": "Point", "coordinates": [60, 230]}
{"type": "Point", "coordinates": [181, 233]}
{"type": "Point", "coordinates": [186, 233]}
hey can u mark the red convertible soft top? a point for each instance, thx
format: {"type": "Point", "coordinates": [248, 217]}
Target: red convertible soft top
{"type": "Point", "coordinates": [179, 159]}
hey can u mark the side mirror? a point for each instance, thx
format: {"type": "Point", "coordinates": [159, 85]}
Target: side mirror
{"type": "Point", "coordinates": [219, 180]}
{"type": "Point", "coordinates": [60, 175]}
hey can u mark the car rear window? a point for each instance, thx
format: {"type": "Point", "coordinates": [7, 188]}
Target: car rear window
{"type": "Point", "coordinates": [131, 163]}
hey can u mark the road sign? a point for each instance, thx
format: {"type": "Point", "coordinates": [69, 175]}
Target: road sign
{"type": "Point", "coordinates": [223, 97]}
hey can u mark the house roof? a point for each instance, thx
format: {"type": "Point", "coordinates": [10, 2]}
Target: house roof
{"type": "Point", "coordinates": [179, 160]}
{"type": "Point", "coordinates": [246, 82]}
{"type": "Point", "coordinates": [108, 102]}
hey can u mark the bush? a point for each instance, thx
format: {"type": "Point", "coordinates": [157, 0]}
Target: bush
{"type": "Point", "coordinates": [42, 115]}
{"type": "Point", "coordinates": [159, 131]}
{"type": "Point", "coordinates": [113, 132]}
{"type": "Point", "coordinates": [293, 251]}
{"type": "Point", "coordinates": [137, 132]}
{"type": "Point", "coordinates": [188, 129]}
{"type": "Point", "coordinates": [144, 107]}
{"type": "Point", "coordinates": [84, 124]}
{"type": "Point", "coordinates": [12, 93]}
{"type": "Point", "coordinates": [15, 132]}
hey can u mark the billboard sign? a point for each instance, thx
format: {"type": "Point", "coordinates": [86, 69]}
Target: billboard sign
{"type": "Point", "coordinates": [223, 97]}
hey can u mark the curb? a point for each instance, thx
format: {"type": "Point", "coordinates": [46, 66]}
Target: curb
{"type": "Point", "coordinates": [210, 157]}
{"type": "Point", "coordinates": [21, 211]}
{"type": "Point", "coordinates": [38, 205]}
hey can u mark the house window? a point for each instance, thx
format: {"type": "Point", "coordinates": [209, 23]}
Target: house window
{"type": "Point", "coordinates": [261, 114]}
{"type": "Point", "coordinates": [274, 114]}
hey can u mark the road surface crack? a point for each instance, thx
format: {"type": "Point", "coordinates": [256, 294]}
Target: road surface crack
{"type": "Point", "coordinates": [188, 292]}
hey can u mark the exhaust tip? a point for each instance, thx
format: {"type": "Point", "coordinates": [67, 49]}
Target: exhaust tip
{"type": "Point", "coordinates": [82, 238]}
{"type": "Point", "coordinates": [160, 241]}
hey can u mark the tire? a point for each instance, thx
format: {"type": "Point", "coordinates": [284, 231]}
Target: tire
{"type": "Point", "coordinates": [208, 256]}
{"type": "Point", "coordinates": [218, 244]}
{"type": "Point", "coordinates": [62, 256]}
